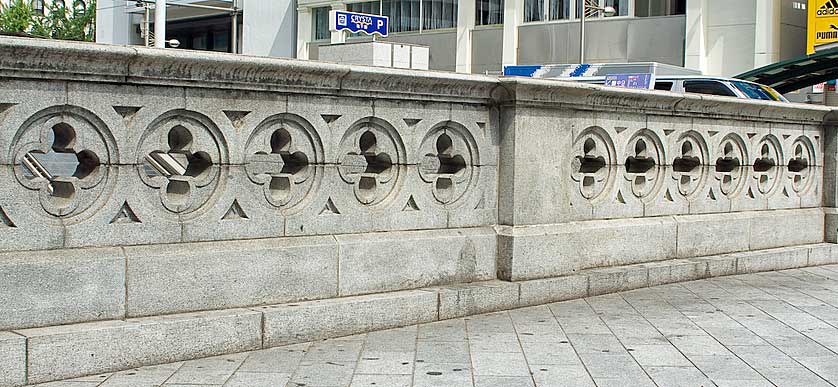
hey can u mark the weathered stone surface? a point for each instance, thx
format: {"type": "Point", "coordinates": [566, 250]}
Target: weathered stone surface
{"type": "Point", "coordinates": [617, 279]}
{"type": "Point", "coordinates": [220, 275]}
{"type": "Point", "coordinates": [125, 217]}
{"type": "Point", "coordinates": [476, 298]}
{"type": "Point", "coordinates": [412, 259]}
{"type": "Point", "coordinates": [542, 291]}
{"type": "Point", "coordinates": [830, 225]}
{"type": "Point", "coordinates": [82, 349]}
{"type": "Point", "coordinates": [771, 259]}
{"type": "Point", "coordinates": [718, 265]}
{"type": "Point", "coordinates": [376, 181]}
{"type": "Point", "coordinates": [786, 228]}
{"type": "Point", "coordinates": [12, 359]}
{"type": "Point", "coordinates": [553, 250]}
{"type": "Point", "coordinates": [314, 320]}
{"type": "Point", "coordinates": [43, 288]}
{"type": "Point", "coordinates": [712, 234]}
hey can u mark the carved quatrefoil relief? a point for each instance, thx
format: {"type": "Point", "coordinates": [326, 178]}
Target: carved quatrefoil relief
{"type": "Point", "coordinates": [729, 171]}
{"type": "Point", "coordinates": [644, 154]}
{"type": "Point", "coordinates": [592, 168]}
{"type": "Point", "coordinates": [63, 153]}
{"type": "Point", "coordinates": [372, 156]}
{"type": "Point", "coordinates": [179, 157]}
{"type": "Point", "coordinates": [766, 165]}
{"type": "Point", "coordinates": [284, 153]}
{"type": "Point", "coordinates": [448, 162]}
{"type": "Point", "coordinates": [799, 168]}
{"type": "Point", "coordinates": [688, 168]}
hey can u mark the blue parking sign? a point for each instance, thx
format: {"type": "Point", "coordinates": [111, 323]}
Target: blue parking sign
{"type": "Point", "coordinates": [631, 81]}
{"type": "Point", "coordinates": [359, 22]}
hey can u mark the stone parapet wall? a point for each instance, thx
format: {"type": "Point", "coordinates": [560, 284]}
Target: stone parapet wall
{"type": "Point", "coordinates": [138, 183]}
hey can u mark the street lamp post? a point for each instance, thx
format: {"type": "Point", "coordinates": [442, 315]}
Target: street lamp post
{"type": "Point", "coordinates": [590, 5]}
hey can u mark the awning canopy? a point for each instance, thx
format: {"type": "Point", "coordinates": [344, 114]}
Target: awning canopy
{"type": "Point", "coordinates": [795, 74]}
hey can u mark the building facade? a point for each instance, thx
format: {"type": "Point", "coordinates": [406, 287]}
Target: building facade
{"type": "Point", "coordinates": [251, 27]}
{"type": "Point", "coordinates": [719, 37]}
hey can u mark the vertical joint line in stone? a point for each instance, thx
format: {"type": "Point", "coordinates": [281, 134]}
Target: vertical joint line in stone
{"type": "Point", "coordinates": [262, 328]}
{"type": "Point", "coordinates": [438, 303]}
{"type": "Point", "coordinates": [125, 283]}
{"type": "Point", "coordinates": [337, 278]}
{"type": "Point", "coordinates": [26, 359]}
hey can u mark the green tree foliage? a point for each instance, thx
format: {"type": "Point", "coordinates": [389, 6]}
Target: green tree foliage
{"type": "Point", "coordinates": [17, 17]}
{"type": "Point", "coordinates": [58, 21]}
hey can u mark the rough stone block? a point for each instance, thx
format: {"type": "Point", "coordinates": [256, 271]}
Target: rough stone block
{"type": "Point", "coordinates": [68, 351]}
{"type": "Point", "coordinates": [240, 112]}
{"type": "Point", "coordinates": [617, 279]}
{"type": "Point", "coordinates": [547, 290]}
{"type": "Point", "coordinates": [718, 265]}
{"type": "Point", "coordinates": [481, 297]}
{"type": "Point", "coordinates": [330, 117]}
{"type": "Point", "coordinates": [12, 359]}
{"type": "Point", "coordinates": [772, 259]}
{"type": "Point", "coordinates": [41, 288]}
{"type": "Point", "coordinates": [554, 250]}
{"type": "Point", "coordinates": [229, 274]}
{"type": "Point", "coordinates": [534, 177]}
{"type": "Point", "coordinates": [709, 198]}
{"type": "Point", "coordinates": [240, 212]}
{"type": "Point", "coordinates": [479, 206]}
{"type": "Point", "coordinates": [133, 214]}
{"type": "Point", "coordinates": [482, 123]}
{"type": "Point", "coordinates": [126, 110]}
{"type": "Point", "coordinates": [675, 270]}
{"type": "Point", "coordinates": [380, 262]}
{"type": "Point", "coordinates": [687, 270]}
{"type": "Point", "coordinates": [315, 320]}
{"type": "Point", "coordinates": [711, 234]}
{"type": "Point", "coordinates": [336, 207]}
{"type": "Point", "coordinates": [779, 228]}
{"type": "Point", "coordinates": [24, 225]}
{"type": "Point", "coordinates": [622, 200]}
{"type": "Point", "coordinates": [669, 200]}
{"type": "Point", "coordinates": [822, 254]}
{"type": "Point", "coordinates": [21, 99]}
{"type": "Point", "coordinates": [811, 196]}
{"type": "Point", "coordinates": [830, 224]}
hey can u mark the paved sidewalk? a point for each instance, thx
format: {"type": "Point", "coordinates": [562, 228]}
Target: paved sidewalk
{"type": "Point", "coordinates": [777, 328]}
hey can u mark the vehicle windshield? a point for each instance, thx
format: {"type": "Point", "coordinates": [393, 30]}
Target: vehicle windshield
{"type": "Point", "coordinates": [755, 91]}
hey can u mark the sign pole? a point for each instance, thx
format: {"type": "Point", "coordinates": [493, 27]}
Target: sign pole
{"type": "Point", "coordinates": [160, 24]}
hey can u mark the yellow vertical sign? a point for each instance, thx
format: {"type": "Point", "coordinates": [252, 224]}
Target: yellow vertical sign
{"type": "Point", "coordinates": [823, 23]}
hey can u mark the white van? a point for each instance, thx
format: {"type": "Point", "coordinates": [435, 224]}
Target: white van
{"type": "Point", "coordinates": [728, 87]}
{"type": "Point", "coordinates": [702, 84]}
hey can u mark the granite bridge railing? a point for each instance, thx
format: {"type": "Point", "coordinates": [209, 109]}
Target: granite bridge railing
{"type": "Point", "coordinates": [161, 205]}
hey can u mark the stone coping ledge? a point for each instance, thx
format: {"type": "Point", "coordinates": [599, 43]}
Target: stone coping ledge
{"type": "Point", "coordinates": [47, 59]}
{"type": "Point", "coordinates": [52, 353]}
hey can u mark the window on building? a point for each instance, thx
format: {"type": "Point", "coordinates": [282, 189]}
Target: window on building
{"type": "Point", "coordinates": [533, 10]}
{"type": "Point", "coordinates": [621, 6]}
{"type": "Point", "coordinates": [38, 6]}
{"type": "Point", "coordinates": [439, 14]}
{"type": "Point", "coordinates": [320, 22]}
{"type": "Point", "coordinates": [489, 12]}
{"type": "Point", "coordinates": [559, 9]}
{"type": "Point", "coordinates": [707, 87]}
{"type": "Point", "coordinates": [370, 7]}
{"type": "Point", "coordinates": [404, 14]}
{"type": "Point", "coordinates": [645, 8]}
